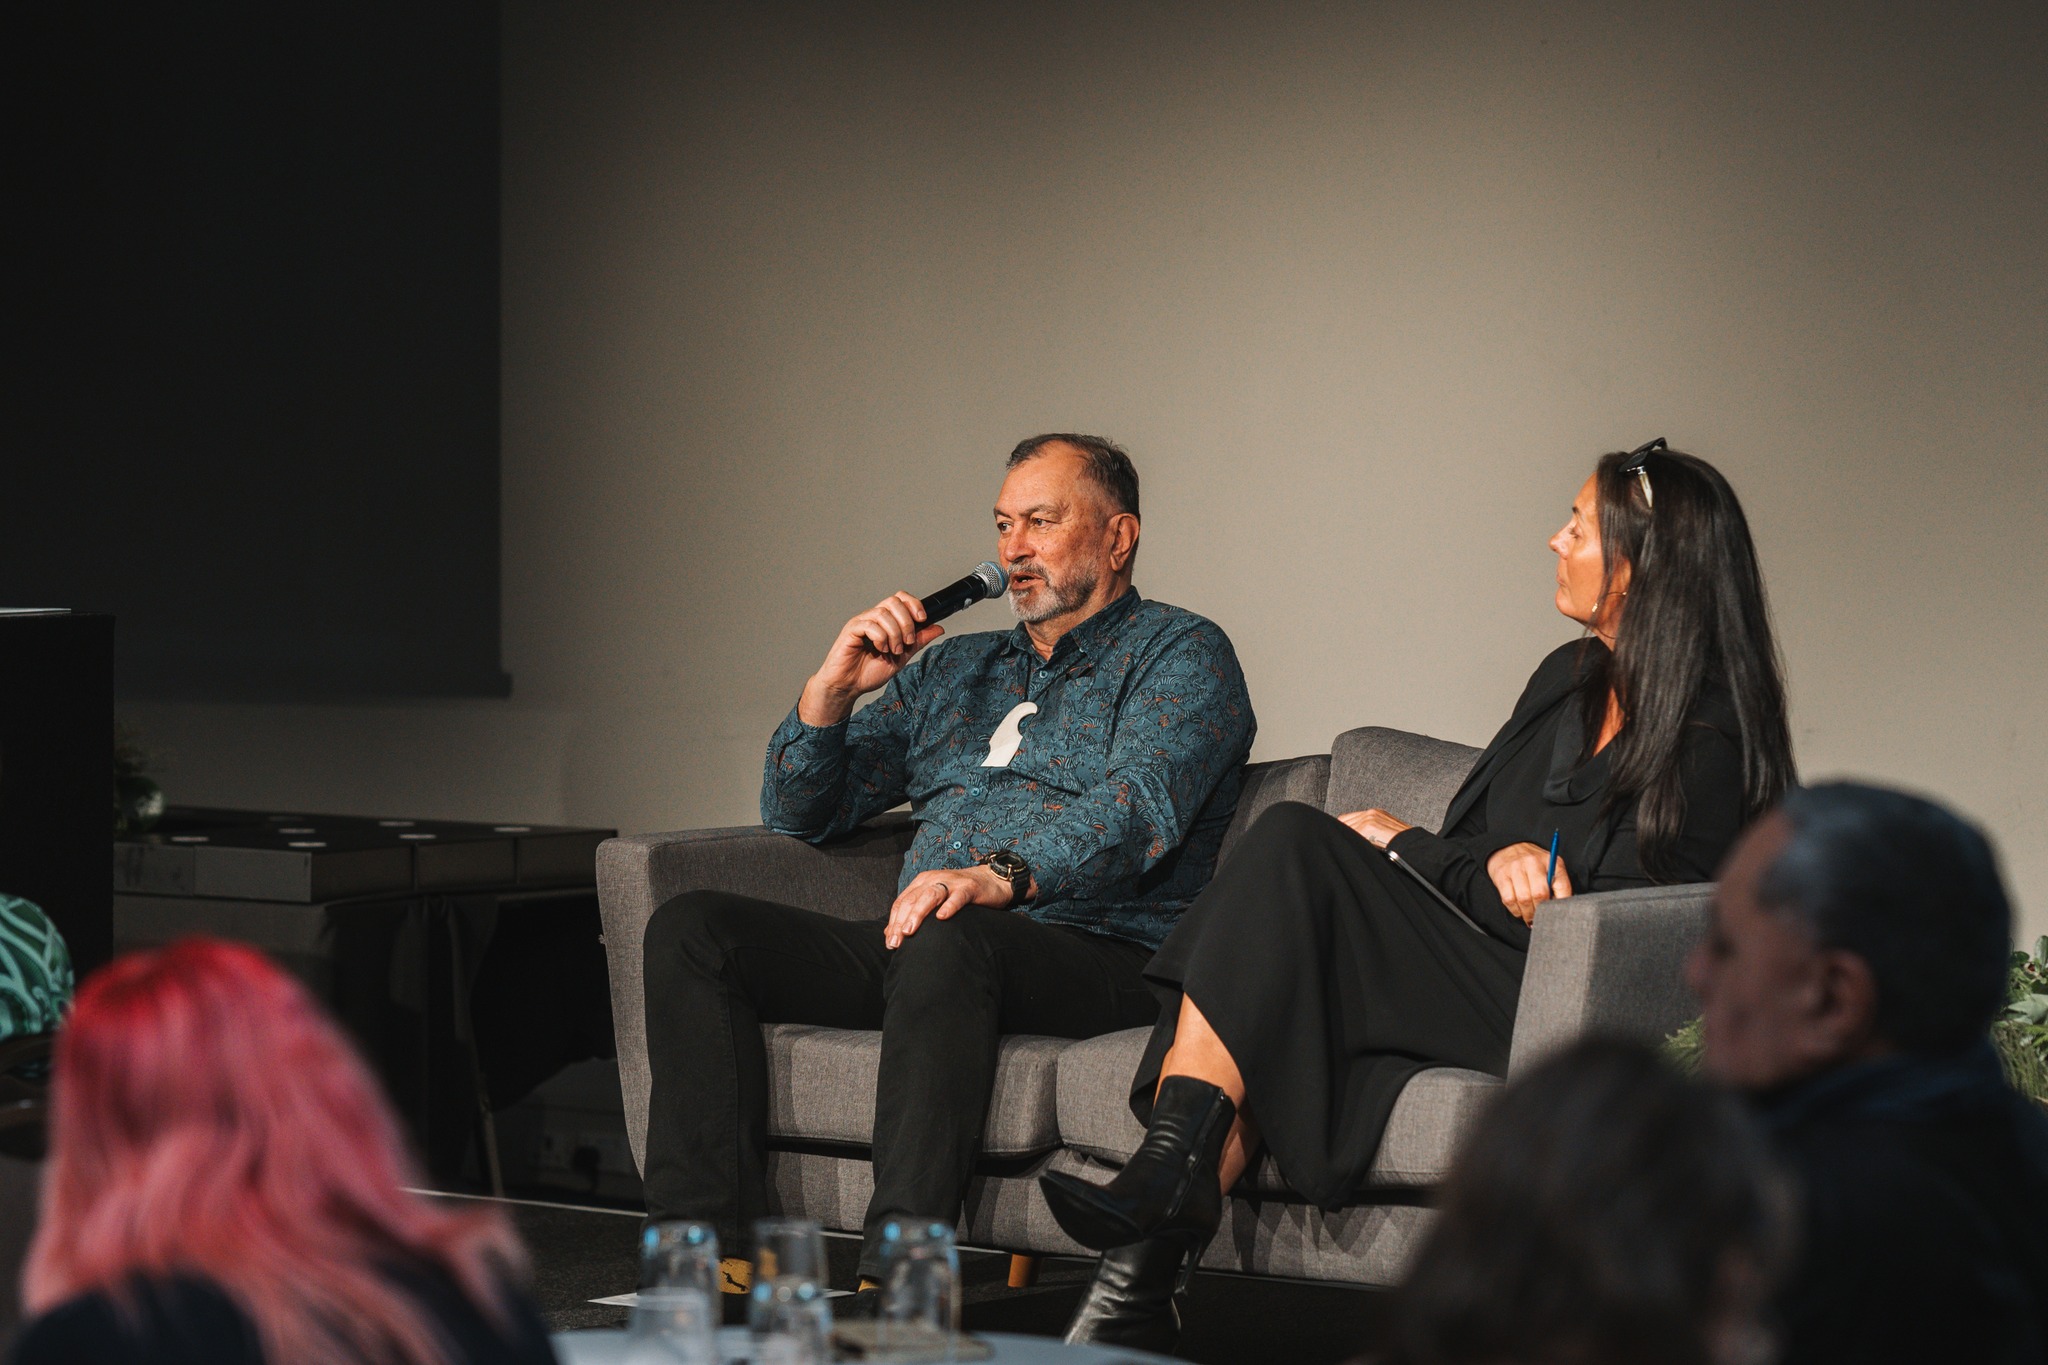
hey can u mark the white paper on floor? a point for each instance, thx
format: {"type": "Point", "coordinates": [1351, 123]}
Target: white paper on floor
{"type": "Point", "coordinates": [633, 1300]}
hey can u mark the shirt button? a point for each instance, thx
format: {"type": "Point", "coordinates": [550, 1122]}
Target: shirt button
{"type": "Point", "coordinates": [974, 791]}
{"type": "Point", "coordinates": [956, 843]}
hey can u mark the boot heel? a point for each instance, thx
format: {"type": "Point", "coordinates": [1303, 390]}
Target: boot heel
{"type": "Point", "coordinates": [1196, 1247]}
{"type": "Point", "coordinates": [1132, 1299]}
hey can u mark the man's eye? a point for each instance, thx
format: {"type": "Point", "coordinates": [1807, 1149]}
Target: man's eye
{"type": "Point", "coordinates": [1040, 521]}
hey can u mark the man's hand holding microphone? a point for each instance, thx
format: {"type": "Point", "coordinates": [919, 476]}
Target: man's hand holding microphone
{"type": "Point", "coordinates": [870, 650]}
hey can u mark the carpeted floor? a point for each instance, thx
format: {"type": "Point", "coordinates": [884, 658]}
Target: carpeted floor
{"type": "Point", "coordinates": [580, 1254]}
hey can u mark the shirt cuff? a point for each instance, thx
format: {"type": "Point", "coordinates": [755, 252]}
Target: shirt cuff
{"type": "Point", "coordinates": [1427, 853]}
{"type": "Point", "coordinates": [796, 743]}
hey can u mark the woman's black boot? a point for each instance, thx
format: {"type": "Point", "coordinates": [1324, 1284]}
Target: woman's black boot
{"type": "Point", "coordinates": [1167, 1189]}
{"type": "Point", "coordinates": [1134, 1299]}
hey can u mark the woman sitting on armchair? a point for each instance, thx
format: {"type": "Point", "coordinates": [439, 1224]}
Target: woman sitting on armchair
{"type": "Point", "coordinates": [1314, 976]}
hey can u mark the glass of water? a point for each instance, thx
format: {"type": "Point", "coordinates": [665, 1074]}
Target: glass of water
{"type": "Point", "coordinates": [679, 1255]}
{"type": "Point", "coordinates": [673, 1327]}
{"type": "Point", "coordinates": [788, 1316]}
{"type": "Point", "coordinates": [920, 1277]}
{"type": "Point", "coordinates": [675, 1321]}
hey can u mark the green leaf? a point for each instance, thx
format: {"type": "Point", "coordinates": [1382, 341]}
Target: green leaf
{"type": "Point", "coordinates": [1686, 1048]}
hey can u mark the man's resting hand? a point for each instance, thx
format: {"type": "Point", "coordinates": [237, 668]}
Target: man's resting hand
{"type": "Point", "coordinates": [943, 892]}
{"type": "Point", "coordinates": [871, 649]}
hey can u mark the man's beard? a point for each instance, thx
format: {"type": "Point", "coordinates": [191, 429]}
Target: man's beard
{"type": "Point", "coordinates": [1052, 597]}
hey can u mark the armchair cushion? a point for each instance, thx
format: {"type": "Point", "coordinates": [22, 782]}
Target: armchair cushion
{"type": "Point", "coordinates": [821, 1088]}
{"type": "Point", "coordinates": [854, 879]}
{"type": "Point", "coordinates": [1411, 777]}
{"type": "Point", "coordinates": [1422, 1136]}
{"type": "Point", "coordinates": [1304, 779]}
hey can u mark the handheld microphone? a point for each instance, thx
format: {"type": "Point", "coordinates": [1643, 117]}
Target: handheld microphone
{"type": "Point", "coordinates": [987, 580]}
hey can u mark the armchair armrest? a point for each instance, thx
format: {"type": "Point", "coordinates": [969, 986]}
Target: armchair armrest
{"type": "Point", "coordinates": [854, 878]}
{"type": "Point", "coordinates": [1611, 962]}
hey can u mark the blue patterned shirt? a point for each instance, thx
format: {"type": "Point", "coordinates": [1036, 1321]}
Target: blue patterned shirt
{"type": "Point", "coordinates": [1112, 768]}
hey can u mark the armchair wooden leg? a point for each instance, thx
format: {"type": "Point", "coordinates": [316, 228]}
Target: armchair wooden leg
{"type": "Point", "coordinates": [1023, 1272]}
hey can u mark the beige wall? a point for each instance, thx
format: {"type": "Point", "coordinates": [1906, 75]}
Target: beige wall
{"type": "Point", "coordinates": [1364, 288]}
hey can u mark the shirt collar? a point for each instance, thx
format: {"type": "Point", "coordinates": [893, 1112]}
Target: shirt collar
{"type": "Point", "coordinates": [1085, 639]}
{"type": "Point", "coordinates": [1902, 1086]}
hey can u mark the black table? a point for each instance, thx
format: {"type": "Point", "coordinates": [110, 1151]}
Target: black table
{"type": "Point", "coordinates": [464, 957]}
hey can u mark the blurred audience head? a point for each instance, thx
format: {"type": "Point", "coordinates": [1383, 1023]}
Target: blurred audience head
{"type": "Point", "coordinates": [1604, 1210]}
{"type": "Point", "coordinates": [209, 1120]}
{"type": "Point", "coordinates": [1849, 923]}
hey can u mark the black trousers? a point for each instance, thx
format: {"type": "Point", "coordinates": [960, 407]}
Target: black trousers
{"type": "Point", "coordinates": [719, 966]}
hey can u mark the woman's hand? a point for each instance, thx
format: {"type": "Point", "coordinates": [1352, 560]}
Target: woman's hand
{"type": "Point", "coordinates": [1517, 873]}
{"type": "Point", "coordinates": [1376, 825]}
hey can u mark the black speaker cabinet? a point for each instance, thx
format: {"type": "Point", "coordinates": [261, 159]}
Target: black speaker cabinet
{"type": "Point", "coordinates": [57, 773]}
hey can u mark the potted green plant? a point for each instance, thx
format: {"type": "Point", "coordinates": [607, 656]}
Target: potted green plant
{"type": "Point", "coordinates": [2022, 1033]}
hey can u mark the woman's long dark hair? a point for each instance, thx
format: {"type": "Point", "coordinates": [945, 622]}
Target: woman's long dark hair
{"type": "Point", "coordinates": [1694, 617]}
{"type": "Point", "coordinates": [1603, 1211]}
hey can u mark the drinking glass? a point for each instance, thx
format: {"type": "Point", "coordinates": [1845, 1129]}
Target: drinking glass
{"type": "Point", "coordinates": [679, 1255]}
{"type": "Point", "coordinates": [788, 1316]}
{"type": "Point", "coordinates": [673, 1327]}
{"type": "Point", "coordinates": [675, 1321]}
{"type": "Point", "coordinates": [920, 1291]}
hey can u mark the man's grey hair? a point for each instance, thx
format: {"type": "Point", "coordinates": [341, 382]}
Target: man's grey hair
{"type": "Point", "coordinates": [1913, 890]}
{"type": "Point", "coordinates": [1109, 468]}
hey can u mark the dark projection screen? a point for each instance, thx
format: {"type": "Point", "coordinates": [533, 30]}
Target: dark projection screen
{"type": "Point", "coordinates": [267, 439]}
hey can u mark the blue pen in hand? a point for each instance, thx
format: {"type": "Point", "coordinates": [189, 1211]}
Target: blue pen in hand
{"type": "Point", "coordinates": [1550, 877]}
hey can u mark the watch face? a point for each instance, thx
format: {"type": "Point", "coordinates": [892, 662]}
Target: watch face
{"type": "Point", "coordinates": [1007, 864]}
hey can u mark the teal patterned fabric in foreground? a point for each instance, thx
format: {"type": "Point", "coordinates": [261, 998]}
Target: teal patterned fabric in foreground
{"type": "Point", "coordinates": [35, 970]}
{"type": "Point", "coordinates": [1112, 768]}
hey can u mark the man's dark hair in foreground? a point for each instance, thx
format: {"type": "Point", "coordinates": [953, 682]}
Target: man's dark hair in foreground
{"type": "Point", "coordinates": [1857, 957]}
{"type": "Point", "coordinates": [1604, 1210]}
{"type": "Point", "coordinates": [1070, 781]}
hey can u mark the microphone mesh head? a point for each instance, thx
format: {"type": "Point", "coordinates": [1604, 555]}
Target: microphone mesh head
{"type": "Point", "coordinates": [993, 580]}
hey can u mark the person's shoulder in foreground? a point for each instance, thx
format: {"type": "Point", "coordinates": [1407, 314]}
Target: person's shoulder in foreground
{"type": "Point", "coordinates": [186, 1320]}
{"type": "Point", "coordinates": [1857, 956]}
{"type": "Point", "coordinates": [1926, 1190]}
{"type": "Point", "coordinates": [178, 1321]}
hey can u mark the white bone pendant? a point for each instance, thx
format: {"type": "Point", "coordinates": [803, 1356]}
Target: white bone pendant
{"type": "Point", "coordinates": [1002, 745]}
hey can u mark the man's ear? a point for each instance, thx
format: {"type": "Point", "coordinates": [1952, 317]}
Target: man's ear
{"type": "Point", "coordinates": [1846, 1013]}
{"type": "Point", "coordinates": [1123, 531]}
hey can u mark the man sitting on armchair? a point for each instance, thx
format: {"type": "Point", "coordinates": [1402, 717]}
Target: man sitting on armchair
{"type": "Point", "coordinates": [1070, 780]}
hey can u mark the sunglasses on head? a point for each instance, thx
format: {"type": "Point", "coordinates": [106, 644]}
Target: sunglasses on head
{"type": "Point", "coordinates": [1639, 457]}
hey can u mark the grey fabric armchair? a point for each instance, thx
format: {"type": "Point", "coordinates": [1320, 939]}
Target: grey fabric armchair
{"type": "Point", "coordinates": [1608, 963]}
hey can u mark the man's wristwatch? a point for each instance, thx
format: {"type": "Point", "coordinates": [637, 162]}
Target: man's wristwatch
{"type": "Point", "coordinates": [1013, 870]}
